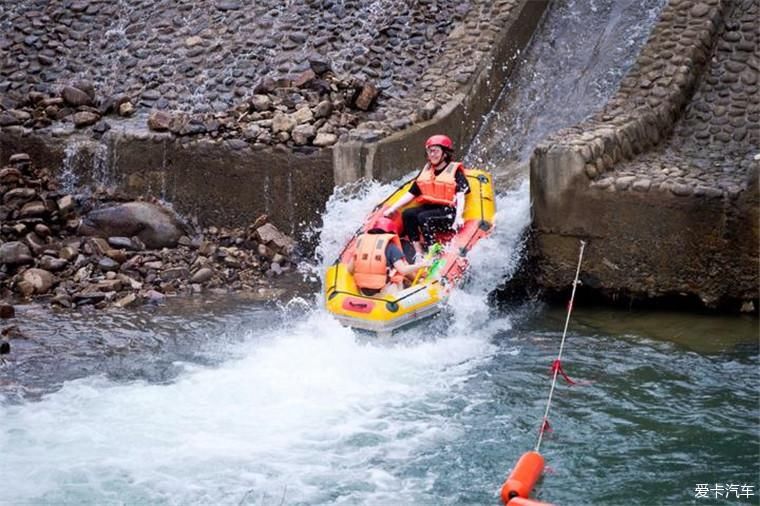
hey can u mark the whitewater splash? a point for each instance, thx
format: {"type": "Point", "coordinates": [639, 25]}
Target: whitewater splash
{"type": "Point", "coordinates": [305, 412]}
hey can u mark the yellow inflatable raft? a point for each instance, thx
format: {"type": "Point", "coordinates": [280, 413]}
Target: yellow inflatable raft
{"type": "Point", "coordinates": [384, 313]}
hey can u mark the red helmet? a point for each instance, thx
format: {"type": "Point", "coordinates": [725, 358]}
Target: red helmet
{"type": "Point", "coordinates": [387, 225]}
{"type": "Point", "coordinates": [440, 140]}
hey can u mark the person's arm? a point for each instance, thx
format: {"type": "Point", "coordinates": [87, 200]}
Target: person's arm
{"type": "Point", "coordinates": [410, 269]}
{"type": "Point", "coordinates": [408, 197]}
{"type": "Point", "coordinates": [459, 216]}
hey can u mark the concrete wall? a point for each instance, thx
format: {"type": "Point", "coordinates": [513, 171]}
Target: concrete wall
{"type": "Point", "coordinates": [225, 184]}
{"type": "Point", "coordinates": [664, 215]}
{"type": "Point", "coordinates": [45, 150]}
{"type": "Point", "coordinates": [639, 248]}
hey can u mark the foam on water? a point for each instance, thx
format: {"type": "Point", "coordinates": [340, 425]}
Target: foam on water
{"type": "Point", "coordinates": [492, 261]}
{"type": "Point", "coordinates": [308, 410]}
{"type": "Point", "coordinates": [344, 214]}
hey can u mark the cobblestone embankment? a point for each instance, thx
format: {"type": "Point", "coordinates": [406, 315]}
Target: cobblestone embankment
{"type": "Point", "coordinates": [207, 103]}
{"type": "Point", "coordinates": [664, 180]}
{"type": "Point", "coordinates": [306, 73]}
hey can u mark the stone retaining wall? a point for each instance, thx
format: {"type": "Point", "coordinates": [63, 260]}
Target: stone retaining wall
{"type": "Point", "coordinates": [207, 56]}
{"type": "Point", "coordinates": [663, 180]}
{"type": "Point", "coordinates": [439, 66]}
{"type": "Point", "coordinates": [230, 69]}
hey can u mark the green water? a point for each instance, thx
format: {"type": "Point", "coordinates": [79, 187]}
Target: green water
{"type": "Point", "coordinates": [664, 402]}
{"type": "Point", "coordinates": [233, 402]}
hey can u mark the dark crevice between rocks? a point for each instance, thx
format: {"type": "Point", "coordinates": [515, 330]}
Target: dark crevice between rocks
{"type": "Point", "coordinates": [523, 288]}
{"type": "Point", "coordinates": [624, 299]}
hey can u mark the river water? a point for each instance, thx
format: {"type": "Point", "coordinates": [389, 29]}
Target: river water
{"type": "Point", "coordinates": [237, 401]}
{"type": "Point", "coordinates": [230, 401]}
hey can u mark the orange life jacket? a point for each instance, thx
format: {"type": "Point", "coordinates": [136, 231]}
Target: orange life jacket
{"type": "Point", "coordinates": [370, 263]}
{"type": "Point", "coordinates": [440, 189]}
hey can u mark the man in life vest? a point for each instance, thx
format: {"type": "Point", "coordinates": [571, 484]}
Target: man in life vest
{"type": "Point", "coordinates": [379, 264]}
{"type": "Point", "coordinates": [441, 186]}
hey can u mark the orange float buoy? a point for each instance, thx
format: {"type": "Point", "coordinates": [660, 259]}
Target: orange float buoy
{"type": "Point", "coordinates": [521, 501]}
{"type": "Point", "coordinates": [523, 477]}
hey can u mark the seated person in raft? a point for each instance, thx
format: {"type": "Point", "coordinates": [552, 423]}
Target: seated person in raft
{"type": "Point", "coordinates": [379, 264]}
{"type": "Point", "coordinates": [441, 186]}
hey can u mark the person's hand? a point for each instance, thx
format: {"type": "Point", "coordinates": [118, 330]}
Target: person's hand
{"type": "Point", "coordinates": [387, 212]}
{"type": "Point", "coordinates": [458, 223]}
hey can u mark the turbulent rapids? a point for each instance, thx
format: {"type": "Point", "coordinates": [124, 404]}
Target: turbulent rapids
{"type": "Point", "coordinates": [249, 404]}
{"type": "Point", "coordinates": [253, 427]}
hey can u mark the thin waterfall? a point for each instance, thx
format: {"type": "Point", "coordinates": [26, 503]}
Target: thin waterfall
{"type": "Point", "coordinates": [85, 165]}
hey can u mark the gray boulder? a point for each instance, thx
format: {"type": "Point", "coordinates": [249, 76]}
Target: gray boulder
{"type": "Point", "coordinates": [269, 234]}
{"type": "Point", "coordinates": [155, 226]}
{"type": "Point", "coordinates": [39, 280]}
{"type": "Point", "coordinates": [15, 253]}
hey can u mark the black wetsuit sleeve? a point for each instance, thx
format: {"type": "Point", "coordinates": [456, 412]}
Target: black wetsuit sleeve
{"type": "Point", "coordinates": [461, 181]}
{"type": "Point", "coordinates": [415, 189]}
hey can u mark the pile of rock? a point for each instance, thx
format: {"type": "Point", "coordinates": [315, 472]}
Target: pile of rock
{"type": "Point", "coordinates": [76, 103]}
{"type": "Point", "coordinates": [119, 253]}
{"type": "Point", "coordinates": [313, 108]}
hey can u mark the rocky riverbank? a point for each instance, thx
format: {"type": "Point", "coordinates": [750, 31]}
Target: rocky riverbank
{"type": "Point", "coordinates": [77, 249]}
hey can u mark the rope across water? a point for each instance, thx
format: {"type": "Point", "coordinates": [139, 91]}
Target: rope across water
{"type": "Point", "coordinates": [557, 367]}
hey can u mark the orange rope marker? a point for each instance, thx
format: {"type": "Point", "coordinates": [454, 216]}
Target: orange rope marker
{"type": "Point", "coordinates": [527, 472]}
{"type": "Point", "coordinates": [523, 477]}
